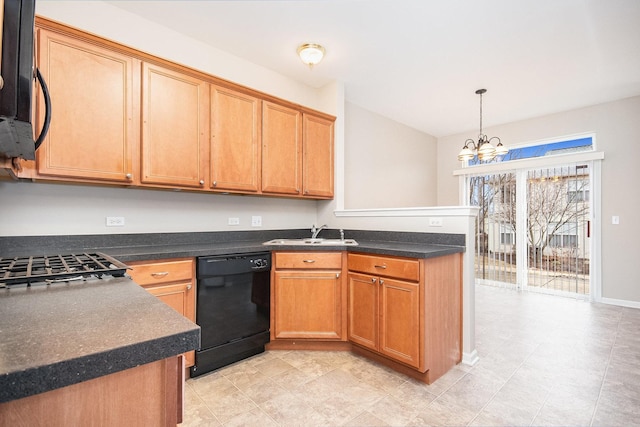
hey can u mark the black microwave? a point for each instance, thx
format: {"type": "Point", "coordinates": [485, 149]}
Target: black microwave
{"type": "Point", "coordinates": [18, 75]}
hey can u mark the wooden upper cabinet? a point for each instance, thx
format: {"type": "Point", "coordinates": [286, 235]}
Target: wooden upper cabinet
{"type": "Point", "coordinates": [94, 92]}
{"type": "Point", "coordinates": [281, 149]}
{"type": "Point", "coordinates": [175, 128]}
{"type": "Point", "coordinates": [317, 163]}
{"type": "Point", "coordinates": [121, 116]}
{"type": "Point", "coordinates": [235, 141]}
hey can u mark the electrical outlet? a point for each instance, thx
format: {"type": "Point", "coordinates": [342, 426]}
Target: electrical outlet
{"type": "Point", "coordinates": [115, 221]}
{"type": "Point", "coordinates": [256, 221]}
{"type": "Point", "coordinates": [435, 222]}
{"type": "Point", "coordinates": [234, 221]}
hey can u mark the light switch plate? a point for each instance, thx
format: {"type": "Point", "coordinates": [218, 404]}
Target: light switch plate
{"type": "Point", "coordinates": [234, 221]}
{"type": "Point", "coordinates": [256, 221]}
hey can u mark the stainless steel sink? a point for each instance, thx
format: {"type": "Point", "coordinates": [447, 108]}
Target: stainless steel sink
{"type": "Point", "coordinates": [311, 242]}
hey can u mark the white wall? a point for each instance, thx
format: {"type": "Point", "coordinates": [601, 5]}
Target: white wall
{"type": "Point", "coordinates": [616, 127]}
{"type": "Point", "coordinates": [387, 164]}
{"type": "Point", "coordinates": [33, 209]}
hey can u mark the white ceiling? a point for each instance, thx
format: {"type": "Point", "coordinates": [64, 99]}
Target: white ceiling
{"type": "Point", "coordinates": [420, 62]}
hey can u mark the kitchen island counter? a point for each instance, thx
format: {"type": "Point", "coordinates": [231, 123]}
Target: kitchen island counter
{"type": "Point", "coordinates": [52, 336]}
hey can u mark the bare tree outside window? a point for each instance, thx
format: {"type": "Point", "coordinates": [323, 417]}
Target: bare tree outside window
{"type": "Point", "coordinates": [556, 228]}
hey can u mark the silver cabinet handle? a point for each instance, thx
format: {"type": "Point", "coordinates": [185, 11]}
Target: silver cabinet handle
{"type": "Point", "coordinates": [129, 176]}
{"type": "Point", "coordinates": [381, 282]}
{"type": "Point", "coordinates": [215, 183]}
{"type": "Point", "coordinates": [337, 275]}
{"type": "Point", "coordinates": [160, 274]}
{"type": "Point", "coordinates": [373, 280]}
{"type": "Point", "coordinates": [380, 266]}
{"type": "Point", "coordinates": [309, 261]}
{"type": "Point", "coordinates": [202, 182]}
{"type": "Point", "coordinates": [188, 287]}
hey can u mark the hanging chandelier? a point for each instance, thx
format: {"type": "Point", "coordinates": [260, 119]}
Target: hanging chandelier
{"type": "Point", "coordinates": [483, 148]}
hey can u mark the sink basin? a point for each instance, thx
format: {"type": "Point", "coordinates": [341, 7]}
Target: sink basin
{"type": "Point", "coordinates": [311, 242]}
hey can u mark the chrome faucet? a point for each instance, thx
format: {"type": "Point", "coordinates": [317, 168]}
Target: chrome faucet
{"type": "Point", "coordinates": [315, 231]}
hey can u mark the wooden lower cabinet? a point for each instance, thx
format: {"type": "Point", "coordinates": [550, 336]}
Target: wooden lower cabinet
{"type": "Point", "coordinates": [384, 316]}
{"type": "Point", "coordinates": [308, 296]}
{"type": "Point", "coordinates": [406, 312]}
{"type": "Point", "coordinates": [147, 395]}
{"type": "Point", "coordinates": [173, 282]}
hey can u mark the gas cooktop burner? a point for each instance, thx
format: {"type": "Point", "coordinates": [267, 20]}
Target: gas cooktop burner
{"type": "Point", "coordinates": [49, 268]}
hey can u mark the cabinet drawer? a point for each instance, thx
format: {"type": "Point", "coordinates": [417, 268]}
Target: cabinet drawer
{"type": "Point", "coordinates": [308, 260]}
{"type": "Point", "coordinates": [401, 268]}
{"type": "Point", "coordinates": [149, 273]}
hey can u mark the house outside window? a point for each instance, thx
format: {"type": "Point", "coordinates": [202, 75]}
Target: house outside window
{"type": "Point", "coordinates": [578, 191]}
{"type": "Point", "coordinates": [563, 235]}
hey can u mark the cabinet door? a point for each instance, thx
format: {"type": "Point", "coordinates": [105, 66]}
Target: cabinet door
{"type": "Point", "coordinates": [176, 296]}
{"type": "Point", "coordinates": [235, 141]}
{"type": "Point", "coordinates": [400, 336]}
{"type": "Point", "coordinates": [172, 281]}
{"type": "Point", "coordinates": [363, 310]}
{"type": "Point", "coordinates": [93, 131]}
{"type": "Point", "coordinates": [175, 128]}
{"type": "Point", "coordinates": [281, 149]}
{"type": "Point", "coordinates": [317, 163]}
{"type": "Point", "coordinates": [180, 297]}
{"type": "Point", "coordinates": [308, 304]}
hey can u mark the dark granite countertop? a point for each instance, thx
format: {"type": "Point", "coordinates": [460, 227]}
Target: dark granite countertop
{"type": "Point", "coordinates": [138, 247]}
{"type": "Point", "coordinates": [56, 335]}
{"type": "Point", "coordinates": [177, 251]}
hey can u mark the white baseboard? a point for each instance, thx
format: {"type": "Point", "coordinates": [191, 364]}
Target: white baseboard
{"type": "Point", "coordinates": [620, 302]}
{"type": "Point", "coordinates": [470, 359]}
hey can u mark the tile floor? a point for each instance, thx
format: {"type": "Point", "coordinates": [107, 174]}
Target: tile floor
{"type": "Point", "coordinates": [544, 360]}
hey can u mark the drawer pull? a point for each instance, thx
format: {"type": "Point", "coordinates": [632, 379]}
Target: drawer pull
{"type": "Point", "coordinates": [309, 261]}
{"type": "Point", "coordinates": [160, 274]}
{"type": "Point", "coordinates": [381, 282]}
{"type": "Point", "coordinates": [337, 275]}
{"type": "Point", "coordinates": [188, 287]}
{"type": "Point", "coordinates": [373, 280]}
{"type": "Point", "coordinates": [380, 266]}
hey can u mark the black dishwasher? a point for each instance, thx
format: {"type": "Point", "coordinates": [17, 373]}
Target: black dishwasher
{"type": "Point", "coordinates": [232, 308]}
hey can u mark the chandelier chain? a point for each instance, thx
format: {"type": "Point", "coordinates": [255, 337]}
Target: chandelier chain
{"type": "Point", "coordinates": [480, 116]}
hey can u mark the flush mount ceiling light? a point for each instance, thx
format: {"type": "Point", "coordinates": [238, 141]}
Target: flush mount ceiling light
{"type": "Point", "coordinates": [311, 53]}
{"type": "Point", "coordinates": [485, 150]}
